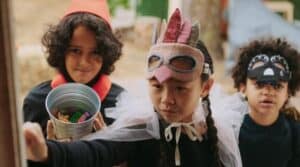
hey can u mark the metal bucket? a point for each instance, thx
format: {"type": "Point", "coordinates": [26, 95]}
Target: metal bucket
{"type": "Point", "coordinates": [77, 96]}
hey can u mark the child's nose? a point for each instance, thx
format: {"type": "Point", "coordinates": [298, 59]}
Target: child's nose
{"type": "Point", "coordinates": [168, 97]}
{"type": "Point", "coordinates": [268, 89]}
{"type": "Point", "coordinates": [84, 59]}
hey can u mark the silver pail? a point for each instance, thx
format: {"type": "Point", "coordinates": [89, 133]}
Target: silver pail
{"type": "Point", "coordinates": [79, 97]}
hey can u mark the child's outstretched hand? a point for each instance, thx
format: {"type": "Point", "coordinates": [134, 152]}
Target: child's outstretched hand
{"type": "Point", "coordinates": [36, 148]}
{"type": "Point", "coordinates": [99, 124]}
{"type": "Point", "coordinates": [51, 133]}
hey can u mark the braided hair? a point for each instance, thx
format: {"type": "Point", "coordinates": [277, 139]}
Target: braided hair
{"type": "Point", "coordinates": [211, 129]}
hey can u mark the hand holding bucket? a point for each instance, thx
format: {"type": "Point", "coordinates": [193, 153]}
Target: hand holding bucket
{"type": "Point", "coordinates": [72, 101]}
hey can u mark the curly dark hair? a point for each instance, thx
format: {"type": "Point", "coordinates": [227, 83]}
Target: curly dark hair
{"type": "Point", "coordinates": [57, 39]}
{"type": "Point", "coordinates": [271, 46]}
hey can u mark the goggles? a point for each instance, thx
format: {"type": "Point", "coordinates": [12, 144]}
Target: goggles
{"type": "Point", "coordinates": [178, 63]}
{"type": "Point", "coordinates": [269, 69]}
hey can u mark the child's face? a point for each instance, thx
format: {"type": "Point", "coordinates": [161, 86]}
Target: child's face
{"type": "Point", "coordinates": [175, 100]}
{"type": "Point", "coordinates": [265, 99]}
{"type": "Point", "coordinates": [82, 61]}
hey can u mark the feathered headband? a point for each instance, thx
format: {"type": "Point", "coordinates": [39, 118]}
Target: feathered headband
{"type": "Point", "coordinates": [174, 53]}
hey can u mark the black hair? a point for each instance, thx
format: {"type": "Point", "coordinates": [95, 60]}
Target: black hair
{"type": "Point", "coordinates": [269, 47]}
{"type": "Point", "coordinates": [211, 128]}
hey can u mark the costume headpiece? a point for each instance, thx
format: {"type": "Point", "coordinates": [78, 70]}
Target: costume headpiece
{"type": "Point", "coordinates": [96, 7]}
{"type": "Point", "coordinates": [174, 53]}
{"type": "Point", "coordinates": [271, 70]}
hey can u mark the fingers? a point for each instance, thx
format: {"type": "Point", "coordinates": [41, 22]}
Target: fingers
{"type": "Point", "coordinates": [50, 130]}
{"type": "Point", "coordinates": [29, 134]}
{"type": "Point", "coordinates": [36, 148]}
{"type": "Point", "coordinates": [66, 140]}
{"type": "Point", "coordinates": [51, 133]}
{"type": "Point", "coordinates": [33, 131]}
{"type": "Point", "coordinates": [99, 122]}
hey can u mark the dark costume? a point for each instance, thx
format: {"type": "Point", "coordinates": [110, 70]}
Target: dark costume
{"type": "Point", "coordinates": [277, 145]}
{"type": "Point", "coordinates": [146, 153]}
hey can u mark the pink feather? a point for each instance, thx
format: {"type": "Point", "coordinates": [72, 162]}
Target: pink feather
{"type": "Point", "coordinates": [173, 28]}
{"type": "Point", "coordinates": [185, 32]}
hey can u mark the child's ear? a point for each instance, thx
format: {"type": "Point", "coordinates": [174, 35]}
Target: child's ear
{"type": "Point", "coordinates": [207, 85]}
{"type": "Point", "coordinates": [242, 88]}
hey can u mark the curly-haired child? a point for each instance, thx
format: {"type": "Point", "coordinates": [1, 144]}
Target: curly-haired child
{"type": "Point", "coordinates": [267, 73]}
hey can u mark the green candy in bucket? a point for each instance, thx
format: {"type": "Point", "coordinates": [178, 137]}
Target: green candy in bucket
{"type": "Point", "coordinates": [72, 107]}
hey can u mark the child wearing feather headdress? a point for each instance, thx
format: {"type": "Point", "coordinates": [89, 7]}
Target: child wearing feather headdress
{"type": "Point", "coordinates": [175, 129]}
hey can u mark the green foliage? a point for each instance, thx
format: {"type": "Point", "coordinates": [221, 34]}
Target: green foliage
{"type": "Point", "coordinates": [114, 4]}
{"type": "Point", "coordinates": [296, 8]}
{"type": "Point", "coordinates": [296, 4]}
{"type": "Point", "coordinates": [158, 8]}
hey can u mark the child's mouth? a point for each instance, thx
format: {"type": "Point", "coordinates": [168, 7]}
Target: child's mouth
{"type": "Point", "coordinates": [266, 103]}
{"type": "Point", "coordinates": [82, 71]}
{"type": "Point", "coordinates": [168, 111]}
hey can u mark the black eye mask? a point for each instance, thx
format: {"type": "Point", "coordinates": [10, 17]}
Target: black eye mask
{"type": "Point", "coordinates": [269, 72]}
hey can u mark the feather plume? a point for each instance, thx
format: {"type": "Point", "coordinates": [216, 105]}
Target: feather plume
{"type": "Point", "coordinates": [162, 31]}
{"type": "Point", "coordinates": [173, 28]}
{"type": "Point", "coordinates": [185, 32]}
{"type": "Point", "coordinates": [156, 27]}
{"type": "Point", "coordinates": [192, 41]}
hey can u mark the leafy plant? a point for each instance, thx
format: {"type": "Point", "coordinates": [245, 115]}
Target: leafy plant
{"type": "Point", "coordinates": [114, 4]}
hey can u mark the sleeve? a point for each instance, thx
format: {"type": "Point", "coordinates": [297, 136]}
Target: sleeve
{"type": "Point", "coordinates": [36, 164]}
{"type": "Point", "coordinates": [295, 162]}
{"type": "Point", "coordinates": [88, 153]}
{"type": "Point", "coordinates": [110, 102]}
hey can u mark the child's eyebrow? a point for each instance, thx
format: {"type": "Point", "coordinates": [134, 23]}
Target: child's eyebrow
{"type": "Point", "coordinates": [153, 80]}
{"type": "Point", "coordinates": [279, 65]}
{"type": "Point", "coordinates": [179, 81]}
{"type": "Point", "coordinates": [75, 46]}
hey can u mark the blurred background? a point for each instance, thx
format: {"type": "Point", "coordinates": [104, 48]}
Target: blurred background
{"type": "Point", "coordinates": [225, 26]}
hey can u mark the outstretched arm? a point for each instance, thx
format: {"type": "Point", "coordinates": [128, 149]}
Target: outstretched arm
{"type": "Point", "coordinates": [75, 154]}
